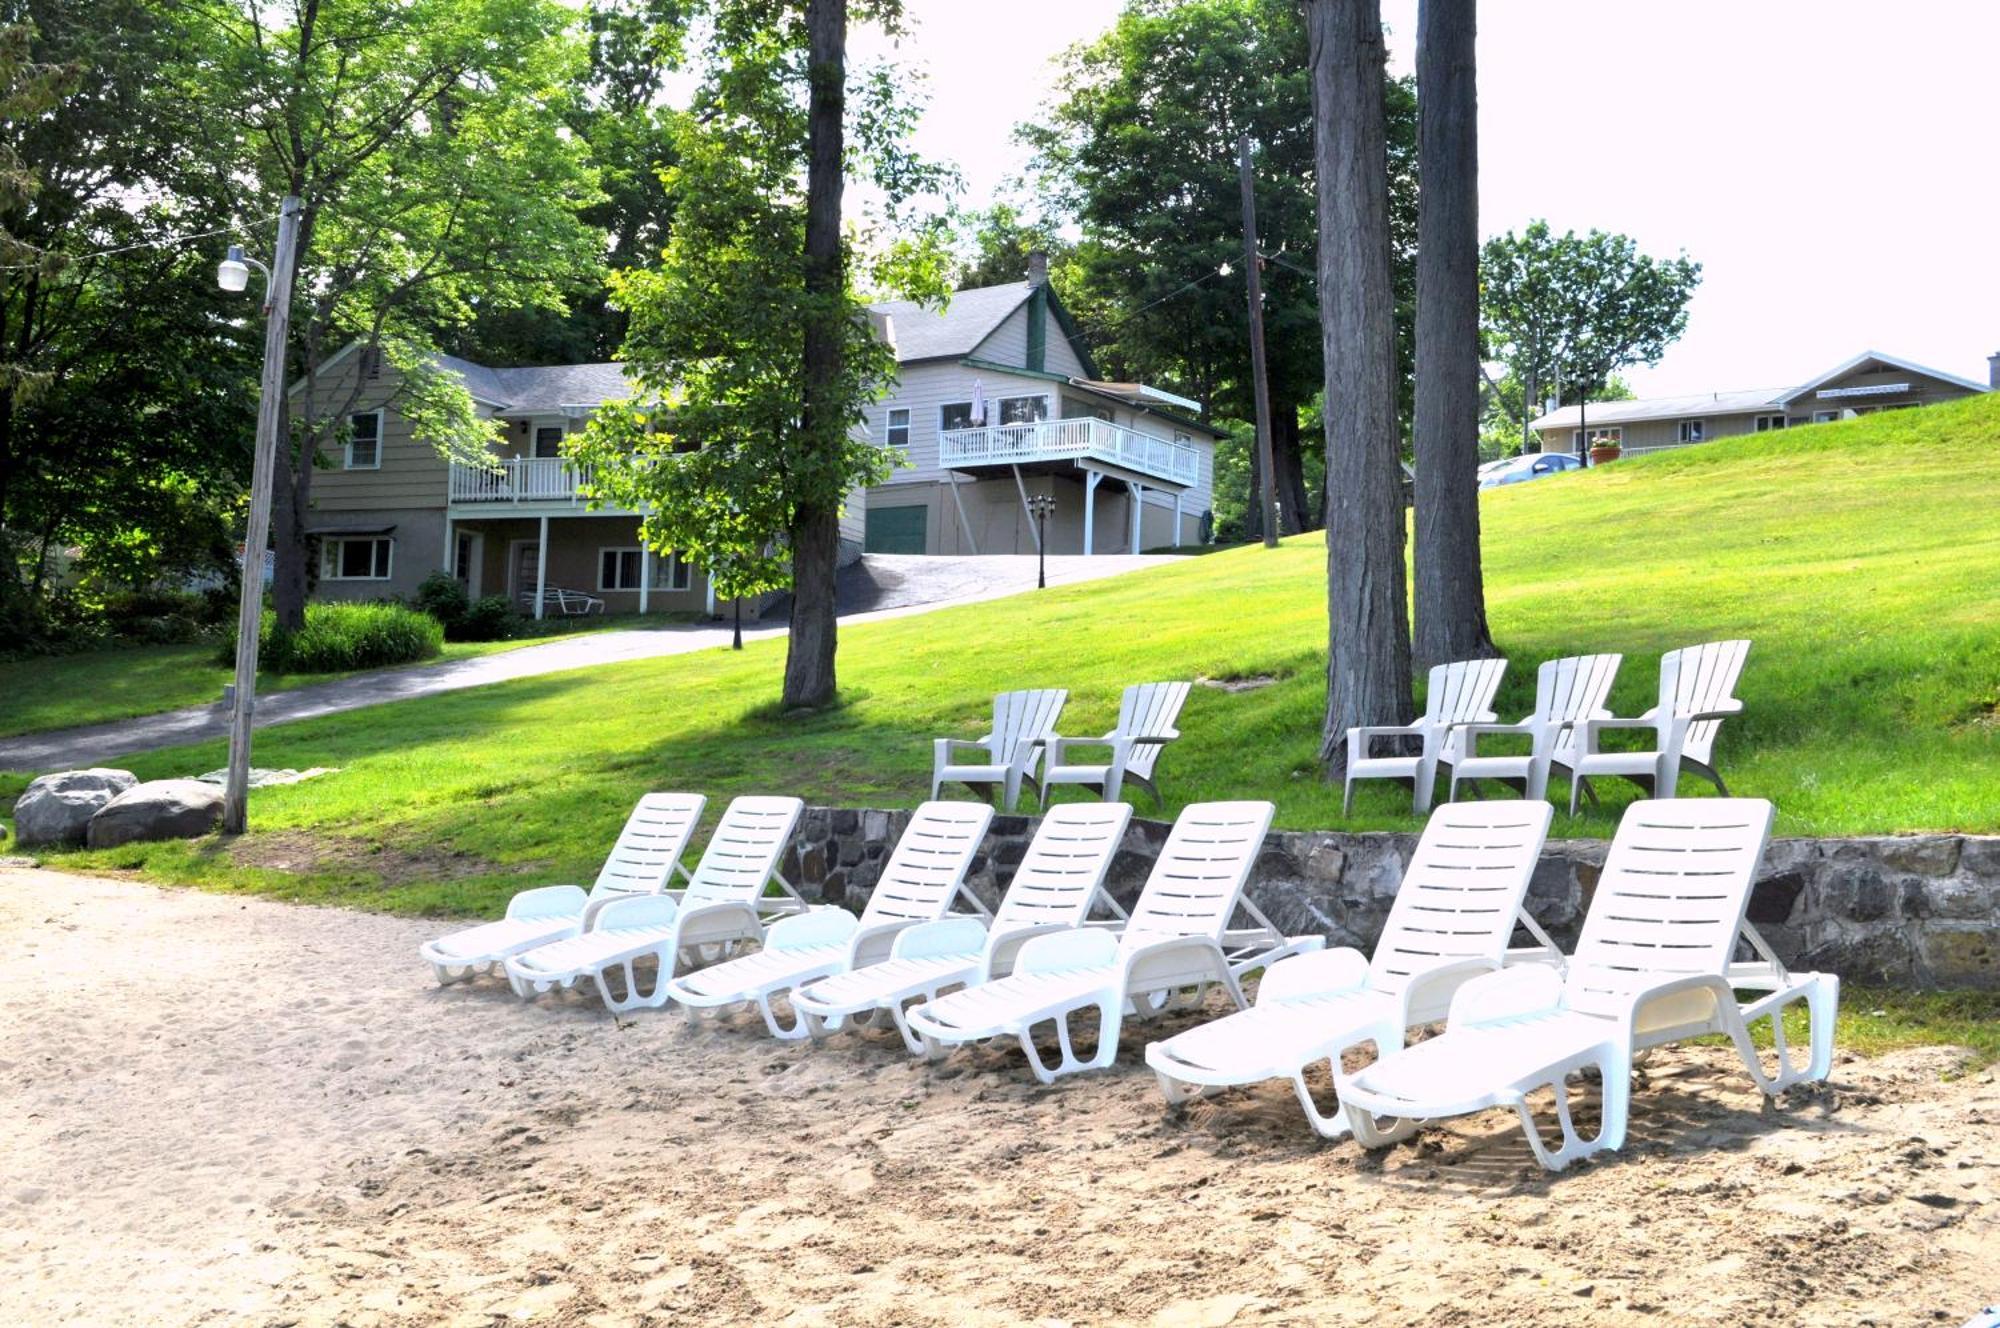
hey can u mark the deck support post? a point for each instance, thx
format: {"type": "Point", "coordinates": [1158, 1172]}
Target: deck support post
{"type": "Point", "coordinates": [951, 478]}
{"type": "Point", "coordinates": [1027, 511]}
{"type": "Point", "coordinates": [645, 574]}
{"type": "Point", "coordinates": [1138, 494]}
{"type": "Point", "coordinates": [1176, 541]}
{"type": "Point", "coordinates": [541, 567]}
{"type": "Point", "coordinates": [1090, 482]}
{"type": "Point", "coordinates": [450, 548]}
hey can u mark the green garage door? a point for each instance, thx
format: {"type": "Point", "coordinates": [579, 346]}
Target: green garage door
{"type": "Point", "coordinates": [896, 529]}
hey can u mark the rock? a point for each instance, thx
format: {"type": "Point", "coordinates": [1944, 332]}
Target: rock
{"type": "Point", "coordinates": [158, 809]}
{"type": "Point", "coordinates": [56, 809]}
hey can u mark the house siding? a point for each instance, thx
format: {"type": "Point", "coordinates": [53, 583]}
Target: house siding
{"type": "Point", "coordinates": [412, 474]}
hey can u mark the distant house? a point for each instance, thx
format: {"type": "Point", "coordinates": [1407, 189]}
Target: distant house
{"type": "Point", "coordinates": [1869, 382]}
{"type": "Point", "coordinates": [1130, 467]}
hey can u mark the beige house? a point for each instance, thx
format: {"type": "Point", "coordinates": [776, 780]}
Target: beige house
{"type": "Point", "coordinates": [1869, 382]}
{"type": "Point", "coordinates": [996, 401]}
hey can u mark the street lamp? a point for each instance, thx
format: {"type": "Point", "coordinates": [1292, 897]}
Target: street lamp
{"type": "Point", "coordinates": [233, 275]}
{"type": "Point", "coordinates": [1040, 506]}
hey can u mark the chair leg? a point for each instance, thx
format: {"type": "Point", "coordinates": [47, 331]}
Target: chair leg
{"type": "Point", "coordinates": [1347, 798]}
{"type": "Point", "coordinates": [1011, 791]}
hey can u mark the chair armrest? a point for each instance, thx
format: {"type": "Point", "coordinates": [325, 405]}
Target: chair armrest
{"type": "Point", "coordinates": [635, 911]}
{"type": "Point", "coordinates": [1360, 736]}
{"type": "Point", "coordinates": [1317, 973]}
{"type": "Point", "coordinates": [1070, 948]}
{"type": "Point", "coordinates": [548, 901]}
{"type": "Point", "coordinates": [936, 940]}
{"type": "Point", "coordinates": [1502, 997]}
{"type": "Point", "coordinates": [873, 944]}
{"type": "Point", "coordinates": [1434, 988]}
{"type": "Point", "coordinates": [830, 925]}
{"type": "Point", "coordinates": [1586, 731]}
{"type": "Point", "coordinates": [1471, 732]}
{"type": "Point", "coordinates": [1714, 984]}
{"type": "Point", "coordinates": [1002, 949]}
{"type": "Point", "coordinates": [942, 748]}
{"type": "Point", "coordinates": [720, 921]}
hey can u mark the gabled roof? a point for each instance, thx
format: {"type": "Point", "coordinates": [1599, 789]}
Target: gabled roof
{"type": "Point", "coordinates": [1888, 361]}
{"type": "Point", "coordinates": [927, 333]}
{"type": "Point", "coordinates": [548, 389]}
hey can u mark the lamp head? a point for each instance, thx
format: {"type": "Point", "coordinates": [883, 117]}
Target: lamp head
{"type": "Point", "coordinates": [232, 273]}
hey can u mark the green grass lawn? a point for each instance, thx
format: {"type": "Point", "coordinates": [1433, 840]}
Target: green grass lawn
{"type": "Point", "coordinates": [96, 686]}
{"type": "Point", "coordinates": [1862, 558]}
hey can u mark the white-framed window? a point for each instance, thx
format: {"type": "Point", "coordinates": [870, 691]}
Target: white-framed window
{"type": "Point", "coordinates": [1613, 436]}
{"type": "Point", "coordinates": [1183, 436]}
{"type": "Point", "coordinates": [356, 557]}
{"type": "Point", "coordinates": [620, 569]}
{"type": "Point", "coordinates": [548, 440]}
{"type": "Point", "coordinates": [1766, 423]}
{"type": "Point", "coordinates": [1691, 430]}
{"type": "Point", "coordinates": [1024, 410]}
{"type": "Point", "coordinates": [364, 441]}
{"type": "Point", "coordinates": [1825, 416]}
{"type": "Point", "coordinates": [897, 434]}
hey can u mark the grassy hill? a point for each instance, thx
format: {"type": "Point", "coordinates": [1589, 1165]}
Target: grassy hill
{"type": "Point", "coordinates": [1863, 559]}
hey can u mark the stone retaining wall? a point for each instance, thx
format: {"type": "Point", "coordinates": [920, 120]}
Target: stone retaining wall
{"type": "Point", "coordinates": [1915, 910]}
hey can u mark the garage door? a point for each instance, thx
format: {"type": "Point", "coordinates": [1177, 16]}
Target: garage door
{"type": "Point", "coordinates": [896, 529]}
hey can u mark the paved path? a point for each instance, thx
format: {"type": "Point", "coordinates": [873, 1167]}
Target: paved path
{"type": "Point", "coordinates": [880, 587]}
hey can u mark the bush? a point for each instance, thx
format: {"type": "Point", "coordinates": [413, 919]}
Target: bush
{"type": "Point", "coordinates": [443, 598]}
{"type": "Point", "coordinates": [489, 618]}
{"type": "Point", "coordinates": [156, 617]}
{"type": "Point", "coordinates": [337, 637]}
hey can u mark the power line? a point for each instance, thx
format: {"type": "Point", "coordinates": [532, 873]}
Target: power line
{"type": "Point", "coordinates": [161, 243]}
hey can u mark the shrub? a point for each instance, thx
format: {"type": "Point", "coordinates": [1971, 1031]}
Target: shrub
{"type": "Point", "coordinates": [338, 637]}
{"type": "Point", "coordinates": [443, 598]}
{"type": "Point", "coordinates": [488, 618]}
{"type": "Point", "coordinates": [155, 617]}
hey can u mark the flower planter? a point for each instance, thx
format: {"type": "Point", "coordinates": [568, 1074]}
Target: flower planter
{"type": "Point", "coordinates": [1599, 454]}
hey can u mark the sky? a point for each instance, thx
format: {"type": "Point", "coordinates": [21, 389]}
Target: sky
{"type": "Point", "coordinates": [1831, 163]}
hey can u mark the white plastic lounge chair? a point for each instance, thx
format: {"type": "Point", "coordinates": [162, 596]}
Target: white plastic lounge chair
{"type": "Point", "coordinates": [642, 862]}
{"type": "Point", "coordinates": [1654, 965]}
{"type": "Point", "coordinates": [1012, 749]}
{"type": "Point", "coordinates": [724, 906]}
{"type": "Point", "coordinates": [1146, 716]}
{"type": "Point", "coordinates": [924, 874]}
{"type": "Point", "coordinates": [1458, 906]}
{"type": "Point", "coordinates": [1460, 693]}
{"type": "Point", "coordinates": [1567, 692]}
{"type": "Point", "coordinates": [1177, 942]}
{"type": "Point", "coordinates": [1697, 692]}
{"type": "Point", "coordinates": [1059, 880]}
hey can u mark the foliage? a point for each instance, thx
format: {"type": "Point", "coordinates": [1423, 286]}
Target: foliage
{"type": "Point", "coordinates": [338, 637]}
{"type": "Point", "coordinates": [443, 597]}
{"type": "Point", "coordinates": [488, 618]}
{"type": "Point", "coordinates": [1505, 411]}
{"type": "Point", "coordinates": [994, 244]}
{"type": "Point", "coordinates": [1576, 309]}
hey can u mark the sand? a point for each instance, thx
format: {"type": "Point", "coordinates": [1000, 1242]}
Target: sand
{"type": "Point", "coordinates": [233, 1111]}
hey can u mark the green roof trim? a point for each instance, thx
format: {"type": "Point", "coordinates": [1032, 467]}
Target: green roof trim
{"type": "Point", "coordinates": [994, 366]}
{"type": "Point", "coordinates": [1038, 328]}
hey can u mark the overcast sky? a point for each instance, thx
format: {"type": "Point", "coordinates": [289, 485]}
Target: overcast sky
{"type": "Point", "coordinates": [1833, 164]}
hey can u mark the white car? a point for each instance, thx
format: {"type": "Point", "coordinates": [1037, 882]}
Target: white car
{"type": "Point", "coordinates": [1531, 466]}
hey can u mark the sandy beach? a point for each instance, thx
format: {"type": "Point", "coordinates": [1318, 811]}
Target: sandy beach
{"type": "Point", "coordinates": [222, 1111]}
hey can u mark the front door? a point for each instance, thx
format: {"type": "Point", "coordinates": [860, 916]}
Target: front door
{"type": "Point", "coordinates": [548, 440]}
{"type": "Point", "coordinates": [521, 573]}
{"type": "Point", "coordinates": [466, 557]}
{"type": "Point", "coordinates": [896, 530]}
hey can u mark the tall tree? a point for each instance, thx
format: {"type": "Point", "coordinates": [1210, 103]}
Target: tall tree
{"type": "Point", "coordinates": [1368, 626]}
{"type": "Point", "coordinates": [427, 141]}
{"type": "Point", "coordinates": [750, 341]}
{"type": "Point", "coordinates": [1450, 589]}
{"type": "Point", "coordinates": [1579, 308]}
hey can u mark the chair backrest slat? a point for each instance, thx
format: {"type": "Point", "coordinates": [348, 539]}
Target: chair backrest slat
{"type": "Point", "coordinates": [1700, 678]}
{"type": "Point", "coordinates": [928, 865]}
{"type": "Point", "coordinates": [1462, 692]}
{"type": "Point", "coordinates": [1200, 873]}
{"type": "Point", "coordinates": [1064, 867]}
{"type": "Point", "coordinates": [1462, 890]}
{"type": "Point", "coordinates": [650, 846]}
{"type": "Point", "coordinates": [1671, 898]}
{"type": "Point", "coordinates": [1149, 710]}
{"type": "Point", "coordinates": [743, 851]}
{"type": "Point", "coordinates": [1024, 715]}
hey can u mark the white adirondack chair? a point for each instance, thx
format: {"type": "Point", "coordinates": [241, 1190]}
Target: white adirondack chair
{"type": "Point", "coordinates": [1697, 692]}
{"type": "Point", "coordinates": [1146, 716]}
{"type": "Point", "coordinates": [642, 862]}
{"type": "Point", "coordinates": [1453, 917]}
{"type": "Point", "coordinates": [1012, 749]}
{"type": "Point", "coordinates": [919, 883]}
{"type": "Point", "coordinates": [1175, 945]}
{"type": "Point", "coordinates": [724, 906]}
{"type": "Point", "coordinates": [1459, 693]}
{"type": "Point", "coordinates": [1655, 964]}
{"type": "Point", "coordinates": [1059, 881]}
{"type": "Point", "coordinates": [1567, 692]}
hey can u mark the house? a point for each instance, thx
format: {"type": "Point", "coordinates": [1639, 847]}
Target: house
{"type": "Point", "coordinates": [1869, 382]}
{"type": "Point", "coordinates": [996, 401]}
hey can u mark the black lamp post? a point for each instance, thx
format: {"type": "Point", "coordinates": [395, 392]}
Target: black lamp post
{"type": "Point", "coordinates": [1041, 505]}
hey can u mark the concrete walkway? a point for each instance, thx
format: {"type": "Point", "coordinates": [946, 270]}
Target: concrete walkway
{"type": "Point", "coordinates": [885, 587]}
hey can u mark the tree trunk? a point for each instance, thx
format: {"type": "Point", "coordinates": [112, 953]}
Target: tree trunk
{"type": "Point", "coordinates": [291, 503]}
{"type": "Point", "coordinates": [1368, 628]}
{"type": "Point", "coordinates": [1288, 460]}
{"type": "Point", "coordinates": [1529, 405]}
{"type": "Point", "coordinates": [1451, 592]}
{"type": "Point", "coordinates": [809, 674]}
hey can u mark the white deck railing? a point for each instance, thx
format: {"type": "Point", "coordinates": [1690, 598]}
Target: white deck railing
{"type": "Point", "coordinates": [519, 480]}
{"type": "Point", "coordinates": [1054, 440]}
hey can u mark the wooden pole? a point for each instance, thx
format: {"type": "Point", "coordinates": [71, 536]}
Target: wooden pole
{"type": "Point", "coordinates": [257, 532]}
{"type": "Point", "coordinates": [1254, 278]}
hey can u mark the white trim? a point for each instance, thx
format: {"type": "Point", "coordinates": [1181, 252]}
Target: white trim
{"type": "Point", "coordinates": [1693, 431]}
{"type": "Point", "coordinates": [1907, 366]}
{"type": "Point", "coordinates": [477, 557]}
{"type": "Point", "coordinates": [1769, 423]}
{"type": "Point", "coordinates": [329, 561]}
{"type": "Point", "coordinates": [514, 588]}
{"type": "Point", "coordinates": [347, 446]}
{"type": "Point", "coordinates": [889, 427]}
{"type": "Point", "coordinates": [666, 570]}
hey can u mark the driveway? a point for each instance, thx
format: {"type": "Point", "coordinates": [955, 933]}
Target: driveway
{"type": "Point", "coordinates": [879, 586]}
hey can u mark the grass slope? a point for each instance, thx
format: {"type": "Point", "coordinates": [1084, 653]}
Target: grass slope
{"type": "Point", "coordinates": [1861, 558]}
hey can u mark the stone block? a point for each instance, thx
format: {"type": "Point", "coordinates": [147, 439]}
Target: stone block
{"type": "Point", "coordinates": [1925, 855]}
{"type": "Point", "coordinates": [158, 809]}
{"type": "Point", "coordinates": [56, 809]}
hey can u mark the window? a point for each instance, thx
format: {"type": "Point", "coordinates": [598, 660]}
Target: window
{"type": "Point", "coordinates": [364, 441]}
{"type": "Point", "coordinates": [364, 558]}
{"type": "Point", "coordinates": [898, 434]}
{"type": "Point", "coordinates": [1825, 416]}
{"type": "Point", "coordinates": [1766, 423]}
{"type": "Point", "coordinates": [548, 440]}
{"type": "Point", "coordinates": [1183, 437]}
{"type": "Point", "coordinates": [1614, 436]}
{"type": "Point", "coordinates": [1691, 431]}
{"type": "Point", "coordinates": [1072, 409]}
{"type": "Point", "coordinates": [619, 569]}
{"type": "Point", "coordinates": [955, 415]}
{"type": "Point", "coordinates": [1023, 410]}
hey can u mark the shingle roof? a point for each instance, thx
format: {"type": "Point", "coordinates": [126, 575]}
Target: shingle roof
{"type": "Point", "coordinates": [1667, 408]}
{"type": "Point", "coordinates": [541, 389]}
{"type": "Point", "coordinates": [926, 333]}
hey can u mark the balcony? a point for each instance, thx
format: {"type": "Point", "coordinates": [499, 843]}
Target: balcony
{"type": "Point", "coordinates": [1070, 440]}
{"type": "Point", "coordinates": [519, 482]}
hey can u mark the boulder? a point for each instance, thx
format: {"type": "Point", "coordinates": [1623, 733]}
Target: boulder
{"type": "Point", "coordinates": [157, 809]}
{"type": "Point", "coordinates": [56, 809]}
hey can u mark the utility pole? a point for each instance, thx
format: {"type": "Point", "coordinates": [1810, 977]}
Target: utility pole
{"type": "Point", "coordinates": [257, 532]}
{"type": "Point", "coordinates": [1253, 276]}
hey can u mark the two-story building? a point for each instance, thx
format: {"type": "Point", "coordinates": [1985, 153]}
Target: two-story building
{"type": "Point", "coordinates": [996, 401]}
